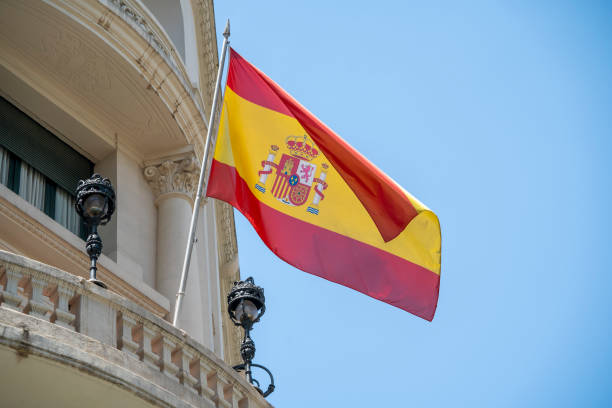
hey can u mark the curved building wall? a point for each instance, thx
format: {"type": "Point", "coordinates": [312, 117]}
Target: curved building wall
{"type": "Point", "coordinates": [109, 79]}
{"type": "Point", "coordinates": [170, 16]}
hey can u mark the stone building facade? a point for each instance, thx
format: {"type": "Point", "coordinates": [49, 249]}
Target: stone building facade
{"type": "Point", "coordinates": [122, 88]}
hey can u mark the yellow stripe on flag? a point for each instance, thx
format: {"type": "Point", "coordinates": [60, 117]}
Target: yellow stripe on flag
{"type": "Point", "coordinates": [254, 129]}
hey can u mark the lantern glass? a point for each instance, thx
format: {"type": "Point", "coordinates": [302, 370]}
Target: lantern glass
{"type": "Point", "coordinates": [246, 309]}
{"type": "Point", "coordinates": [95, 205]}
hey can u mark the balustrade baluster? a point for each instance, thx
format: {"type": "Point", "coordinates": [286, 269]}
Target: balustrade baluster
{"type": "Point", "coordinates": [63, 315]}
{"type": "Point", "coordinates": [168, 367]}
{"type": "Point", "coordinates": [188, 355]}
{"type": "Point", "coordinates": [150, 338]}
{"type": "Point", "coordinates": [12, 296]}
{"type": "Point", "coordinates": [128, 326]}
{"type": "Point", "coordinates": [207, 377]}
{"type": "Point", "coordinates": [224, 391]}
{"type": "Point", "coordinates": [40, 305]}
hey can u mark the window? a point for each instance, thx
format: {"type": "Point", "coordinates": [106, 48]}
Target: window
{"type": "Point", "coordinates": [39, 167]}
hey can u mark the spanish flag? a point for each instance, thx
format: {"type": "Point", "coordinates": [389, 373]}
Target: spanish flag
{"type": "Point", "coordinates": [316, 202]}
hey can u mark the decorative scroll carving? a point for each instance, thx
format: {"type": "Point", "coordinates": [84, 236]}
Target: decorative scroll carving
{"type": "Point", "coordinates": [129, 13]}
{"type": "Point", "coordinates": [207, 47]}
{"type": "Point", "coordinates": [227, 232]}
{"type": "Point", "coordinates": [174, 176]}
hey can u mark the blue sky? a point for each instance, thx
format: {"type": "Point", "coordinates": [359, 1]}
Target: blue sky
{"type": "Point", "coordinates": [498, 116]}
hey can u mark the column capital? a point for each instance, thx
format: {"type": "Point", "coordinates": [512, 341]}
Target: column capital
{"type": "Point", "coordinates": [173, 176]}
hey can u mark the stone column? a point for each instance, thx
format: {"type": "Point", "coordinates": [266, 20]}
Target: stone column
{"type": "Point", "coordinates": [174, 183]}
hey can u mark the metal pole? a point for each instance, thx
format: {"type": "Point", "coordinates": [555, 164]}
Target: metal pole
{"type": "Point", "coordinates": [95, 248]}
{"type": "Point", "coordinates": [249, 358]}
{"type": "Point", "coordinates": [199, 194]}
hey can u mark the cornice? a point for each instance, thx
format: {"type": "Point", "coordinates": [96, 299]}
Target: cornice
{"type": "Point", "coordinates": [133, 33]}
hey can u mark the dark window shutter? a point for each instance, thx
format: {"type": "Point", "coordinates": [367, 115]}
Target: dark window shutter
{"type": "Point", "coordinates": [14, 173]}
{"type": "Point", "coordinates": [50, 198]}
{"type": "Point", "coordinates": [42, 150]}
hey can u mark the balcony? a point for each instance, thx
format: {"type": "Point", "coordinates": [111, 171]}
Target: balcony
{"type": "Point", "coordinates": [104, 74]}
{"type": "Point", "coordinates": [66, 342]}
{"type": "Point", "coordinates": [104, 77]}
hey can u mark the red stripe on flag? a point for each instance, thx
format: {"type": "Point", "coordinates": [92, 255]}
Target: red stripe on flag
{"type": "Point", "coordinates": [330, 255]}
{"type": "Point", "coordinates": [274, 185]}
{"type": "Point", "coordinates": [244, 79]}
{"type": "Point", "coordinates": [386, 203]}
{"type": "Point", "coordinates": [277, 180]}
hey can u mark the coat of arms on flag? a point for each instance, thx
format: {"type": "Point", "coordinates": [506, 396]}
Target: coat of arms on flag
{"type": "Point", "coordinates": [295, 174]}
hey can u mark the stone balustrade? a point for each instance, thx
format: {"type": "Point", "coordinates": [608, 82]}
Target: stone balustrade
{"type": "Point", "coordinates": [57, 307]}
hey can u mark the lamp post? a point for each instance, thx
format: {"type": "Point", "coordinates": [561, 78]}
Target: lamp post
{"type": "Point", "coordinates": [246, 305]}
{"type": "Point", "coordinates": [95, 203]}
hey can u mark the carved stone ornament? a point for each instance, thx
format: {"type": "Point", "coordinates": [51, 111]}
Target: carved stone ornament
{"type": "Point", "coordinates": [174, 176]}
{"type": "Point", "coordinates": [207, 48]}
{"type": "Point", "coordinates": [226, 226]}
{"type": "Point", "coordinates": [127, 10]}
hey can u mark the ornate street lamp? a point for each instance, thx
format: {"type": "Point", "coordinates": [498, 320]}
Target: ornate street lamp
{"type": "Point", "coordinates": [246, 305]}
{"type": "Point", "coordinates": [95, 203]}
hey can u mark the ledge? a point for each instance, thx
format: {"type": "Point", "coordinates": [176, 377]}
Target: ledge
{"type": "Point", "coordinates": [55, 315]}
{"type": "Point", "coordinates": [107, 66]}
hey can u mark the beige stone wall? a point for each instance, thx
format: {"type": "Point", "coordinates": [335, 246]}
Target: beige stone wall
{"type": "Point", "coordinates": [25, 230]}
{"type": "Point", "coordinates": [104, 77]}
{"type": "Point", "coordinates": [136, 219]}
{"type": "Point", "coordinates": [208, 265]}
{"type": "Point", "coordinates": [229, 272]}
{"type": "Point", "coordinates": [130, 237]}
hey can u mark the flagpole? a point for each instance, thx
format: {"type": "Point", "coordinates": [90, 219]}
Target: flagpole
{"type": "Point", "coordinates": [196, 206]}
